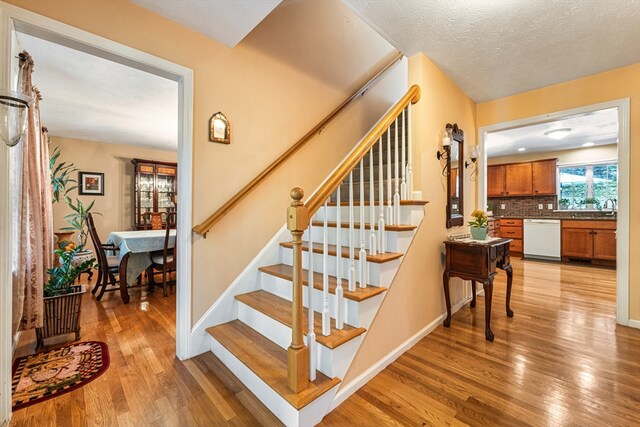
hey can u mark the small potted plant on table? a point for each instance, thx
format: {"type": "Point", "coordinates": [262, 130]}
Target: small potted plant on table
{"type": "Point", "coordinates": [479, 225]}
{"type": "Point", "coordinates": [62, 298]}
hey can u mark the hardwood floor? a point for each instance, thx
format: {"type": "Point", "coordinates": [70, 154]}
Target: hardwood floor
{"type": "Point", "coordinates": [560, 361]}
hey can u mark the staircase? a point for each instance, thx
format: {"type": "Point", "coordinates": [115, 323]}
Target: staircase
{"type": "Point", "coordinates": [298, 320]}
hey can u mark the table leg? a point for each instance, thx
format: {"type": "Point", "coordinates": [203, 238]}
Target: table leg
{"type": "Point", "coordinates": [447, 298]}
{"type": "Point", "coordinates": [509, 271]}
{"type": "Point", "coordinates": [473, 291]}
{"type": "Point", "coordinates": [124, 292]}
{"type": "Point", "coordinates": [488, 293]}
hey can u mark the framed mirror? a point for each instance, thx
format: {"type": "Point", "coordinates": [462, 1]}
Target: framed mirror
{"type": "Point", "coordinates": [219, 129]}
{"type": "Point", "coordinates": [455, 175]}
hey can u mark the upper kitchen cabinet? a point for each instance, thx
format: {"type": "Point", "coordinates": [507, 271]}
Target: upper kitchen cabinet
{"type": "Point", "coordinates": [544, 177]}
{"type": "Point", "coordinates": [518, 179]}
{"type": "Point", "coordinates": [495, 181]}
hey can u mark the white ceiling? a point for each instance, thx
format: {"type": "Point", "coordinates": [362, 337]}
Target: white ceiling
{"type": "Point", "coordinates": [87, 97]}
{"type": "Point", "coordinates": [495, 48]}
{"type": "Point", "coordinates": [599, 127]}
{"type": "Point", "coordinates": [227, 21]}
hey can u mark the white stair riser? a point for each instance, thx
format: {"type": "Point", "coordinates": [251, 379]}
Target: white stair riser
{"type": "Point", "coordinates": [308, 416]}
{"type": "Point", "coordinates": [397, 241]}
{"type": "Point", "coordinates": [409, 215]}
{"type": "Point", "coordinates": [377, 275]}
{"type": "Point", "coordinates": [330, 361]}
{"type": "Point", "coordinates": [356, 313]}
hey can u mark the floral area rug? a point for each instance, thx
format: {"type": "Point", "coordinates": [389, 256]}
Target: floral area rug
{"type": "Point", "coordinates": [41, 376]}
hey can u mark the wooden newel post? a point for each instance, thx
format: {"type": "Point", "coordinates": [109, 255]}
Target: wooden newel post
{"type": "Point", "coordinates": [298, 353]}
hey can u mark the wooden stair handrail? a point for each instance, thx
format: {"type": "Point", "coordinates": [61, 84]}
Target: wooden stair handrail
{"type": "Point", "coordinates": [204, 227]}
{"type": "Point", "coordinates": [317, 200]}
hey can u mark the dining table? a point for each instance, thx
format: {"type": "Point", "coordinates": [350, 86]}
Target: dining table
{"type": "Point", "coordinates": [135, 252]}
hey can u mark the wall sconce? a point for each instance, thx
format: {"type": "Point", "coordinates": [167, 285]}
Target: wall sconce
{"type": "Point", "coordinates": [474, 158]}
{"type": "Point", "coordinates": [14, 111]}
{"type": "Point", "coordinates": [446, 143]}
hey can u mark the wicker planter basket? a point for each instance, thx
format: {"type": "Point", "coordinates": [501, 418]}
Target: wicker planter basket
{"type": "Point", "coordinates": [61, 316]}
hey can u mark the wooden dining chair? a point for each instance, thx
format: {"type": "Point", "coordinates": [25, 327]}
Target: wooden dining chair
{"type": "Point", "coordinates": [108, 265]}
{"type": "Point", "coordinates": [165, 261]}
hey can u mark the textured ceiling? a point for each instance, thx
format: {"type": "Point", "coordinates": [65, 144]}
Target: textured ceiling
{"type": "Point", "coordinates": [599, 127]}
{"type": "Point", "coordinates": [495, 48]}
{"type": "Point", "coordinates": [227, 21]}
{"type": "Point", "coordinates": [87, 97]}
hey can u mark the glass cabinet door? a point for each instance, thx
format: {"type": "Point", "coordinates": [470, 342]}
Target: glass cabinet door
{"type": "Point", "coordinates": [166, 188]}
{"type": "Point", "coordinates": [146, 187]}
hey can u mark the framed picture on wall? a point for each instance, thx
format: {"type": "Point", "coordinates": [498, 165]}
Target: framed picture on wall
{"type": "Point", "coordinates": [91, 183]}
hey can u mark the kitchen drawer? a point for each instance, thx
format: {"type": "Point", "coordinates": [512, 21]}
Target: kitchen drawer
{"type": "Point", "coordinates": [516, 245]}
{"type": "Point", "coordinates": [510, 222]}
{"type": "Point", "coordinates": [492, 225]}
{"type": "Point", "coordinates": [511, 232]}
{"type": "Point", "coordinates": [590, 224]}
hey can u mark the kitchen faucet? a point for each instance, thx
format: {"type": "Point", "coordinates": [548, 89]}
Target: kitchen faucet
{"type": "Point", "coordinates": [613, 207]}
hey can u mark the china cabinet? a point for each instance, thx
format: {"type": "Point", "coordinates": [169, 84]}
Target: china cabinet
{"type": "Point", "coordinates": [155, 187]}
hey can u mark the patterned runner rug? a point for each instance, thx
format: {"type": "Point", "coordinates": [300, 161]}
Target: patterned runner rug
{"type": "Point", "coordinates": [41, 376]}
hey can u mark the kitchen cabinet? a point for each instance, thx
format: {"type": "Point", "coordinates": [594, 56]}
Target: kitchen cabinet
{"type": "Point", "coordinates": [589, 240]}
{"type": "Point", "coordinates": [518, 179]}
{"type": "Point", "coordinates": [511, 228]}
{"type": "Point", "coordinates": [495, 181]}
{"type": "Point", "coordinates": [155, 187]}
{"type": "Point", "coordinates": [544, 177]}
{"type": "Point", "coordinates": [522, 179]}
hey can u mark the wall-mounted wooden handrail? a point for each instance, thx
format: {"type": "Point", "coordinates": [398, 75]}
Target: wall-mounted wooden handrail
{"type": "Point", "coordinates": [332, 183]}
{"type": "Point", "coordinates": [204, 227]}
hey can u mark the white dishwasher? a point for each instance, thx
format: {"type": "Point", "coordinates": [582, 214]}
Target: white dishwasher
{"type": "Point", "coordinates": [542, 238]}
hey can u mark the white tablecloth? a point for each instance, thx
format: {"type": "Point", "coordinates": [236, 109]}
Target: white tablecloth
{"type": "Point", "coordinates": [139, 244]}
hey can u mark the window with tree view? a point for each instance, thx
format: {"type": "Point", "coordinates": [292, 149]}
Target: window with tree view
{"type": "Point", "coordinates": [588, 186]}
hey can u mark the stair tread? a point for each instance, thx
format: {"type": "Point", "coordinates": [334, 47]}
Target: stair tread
{"type": "Point", "coordinates": [367, 203]}
{"type": "Point", "coordinates": [319, 249]}
{"type": "Point", "coordinates": [280, 309]}
{"type": "Point", "coordinates": [360, 294]}
{"type": "Point", "coordinates": [268, 361]}
{"type": "Point", "coordinates": [400, 227]}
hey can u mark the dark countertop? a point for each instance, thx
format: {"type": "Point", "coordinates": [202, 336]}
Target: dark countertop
{"type": "Point", "coordinates": [582, 218]}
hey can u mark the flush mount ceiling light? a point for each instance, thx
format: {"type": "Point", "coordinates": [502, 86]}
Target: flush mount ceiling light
{"type": "Point", "coordinates": [522, 149]}
{"type": "Point", "coordinates": [588, 144]}
{"type": "Point", "coordinates": [558, 133]}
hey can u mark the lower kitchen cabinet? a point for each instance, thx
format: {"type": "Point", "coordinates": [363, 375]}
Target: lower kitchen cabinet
{"type": "Point", "coordinates": [604, 244]}
{"type": "Point", "coordinates": [589, 240]}
{"type": "Point", "coordinates": [511, 228]}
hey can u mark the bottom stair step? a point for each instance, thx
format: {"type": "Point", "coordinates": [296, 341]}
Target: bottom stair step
{"type": "Point", "coordinates": [268, 361]}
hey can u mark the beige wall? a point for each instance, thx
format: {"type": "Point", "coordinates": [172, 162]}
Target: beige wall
{"type": "Point", "coordinates": [615, 84]}
{"type": "Point", "coordinates": [415, 298]}
{"type": "Point", "coordinates": [291, 71]}
{"type": "Point", "coordinates": [577, 155]}
{"type": "Point", "coordinates": [114, 160]}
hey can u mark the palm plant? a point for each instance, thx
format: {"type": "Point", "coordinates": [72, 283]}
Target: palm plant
{"type": "Point", "coordinates": [78, 219]}
{"type": "Point", "coordinates": [60, 176]}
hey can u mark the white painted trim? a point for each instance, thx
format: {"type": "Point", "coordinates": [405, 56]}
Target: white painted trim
{"type": "Point", "coordinates": [348, 389]}
{"type": "Point", "coordinates": [634, 323]}
{"type": "Point", "coordinates": [40, 26]}
{"type": "Point", "coordinates": [623, 106]}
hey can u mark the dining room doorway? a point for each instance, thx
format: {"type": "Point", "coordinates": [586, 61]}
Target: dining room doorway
{"type": "Point", "coordinates": [19, 22]}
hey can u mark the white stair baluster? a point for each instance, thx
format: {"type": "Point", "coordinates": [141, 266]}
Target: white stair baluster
{"type": "Point", "coordinates": [326, 315]}
{"type": "Point", "coordinates": [339, 290]}
{"type": "Point", "coordinates": [389, 193]}
{"type": "Point", "coordinates": [396, 186]}
{"type": "Point", "coordinates": [352, 260]}
{"type": "Point", "coordinates": [381, 232]}
{"type": "Point", "coordinates": [410, 158]}
{"type": "Point", "coordinates": [403, 163]}
{"type": "Point", "coordinates": [311, 336]}
{"type": "Point", "coordinates": [373, 243]}
{"type": "Point", "coordinates": [363, 250]}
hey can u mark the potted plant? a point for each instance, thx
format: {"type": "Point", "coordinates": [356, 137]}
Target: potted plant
{"type": "Point", "coordinates": [564, 204]}
{"type": "Point", "coordinates": [62, 298]}
{"type": "Point", "coordinates": [479, 225]}
{"type": "Point", "coordinates": [591, 203]}
{"type": "Point", "coordinates": [78, 219]}
{"type": "Point", "coordinates": [61, 180]}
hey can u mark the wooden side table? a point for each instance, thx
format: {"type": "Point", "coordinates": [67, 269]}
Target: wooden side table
{"type": "Point", "coordinates": [478, 262]}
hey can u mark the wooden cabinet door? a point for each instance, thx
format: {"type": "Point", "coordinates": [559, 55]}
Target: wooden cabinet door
{"type": "Point", "coordinates": [495, 181]}
{"type": "Point", "coordinates": [604, 244]}
{"type": "Point", "coordinates": [453, 179]}
{"type": "Point", "coordinates": [577, 243]}
{"type": "Point", "coordinates": [518, 179]}
{"type": "Point", "coordinates": [544, 177]}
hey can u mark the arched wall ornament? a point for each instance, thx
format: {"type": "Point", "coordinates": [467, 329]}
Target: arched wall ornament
{"type": "Point", "coordinates": [219, 129]}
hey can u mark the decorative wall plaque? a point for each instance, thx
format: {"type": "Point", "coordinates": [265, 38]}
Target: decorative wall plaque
{"type": "Point", "coordinates": [219, 129]}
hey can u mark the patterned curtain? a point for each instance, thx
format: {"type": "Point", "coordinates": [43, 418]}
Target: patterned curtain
{"type": "Point", "coordinates": [36, 232]}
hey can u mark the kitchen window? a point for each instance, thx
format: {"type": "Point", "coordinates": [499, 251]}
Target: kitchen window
{"type": "Point", "coordinates": [587, 186]}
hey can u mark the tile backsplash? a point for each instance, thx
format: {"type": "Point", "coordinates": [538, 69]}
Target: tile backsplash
{"type": "Point", "coordinates": [521, 207]}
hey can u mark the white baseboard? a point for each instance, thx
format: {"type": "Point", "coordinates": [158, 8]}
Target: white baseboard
{"type": "Point", "coordinates": [634, 323]}
{"type": "Point", "coordinates": [378, 367]}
